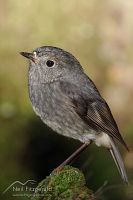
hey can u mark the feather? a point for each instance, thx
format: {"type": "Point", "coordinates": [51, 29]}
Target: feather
{"type": "Point", "coordinates": [118, 160]}
{"type": "Point", "coordinates": [92, 109]}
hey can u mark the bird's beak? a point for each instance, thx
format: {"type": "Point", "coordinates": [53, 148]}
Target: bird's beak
{"type": "Point", "coordinates": [28, 55]}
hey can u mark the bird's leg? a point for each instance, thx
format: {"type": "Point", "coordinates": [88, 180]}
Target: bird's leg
{"type": "Point", "coordinates": [73, 156]}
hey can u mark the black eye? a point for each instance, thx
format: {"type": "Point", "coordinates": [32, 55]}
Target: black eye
{"type": "Point", "coordinates": [50, 63]}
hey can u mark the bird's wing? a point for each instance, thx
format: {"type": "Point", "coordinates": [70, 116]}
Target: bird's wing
{"type": "Point", "coordinates": [93, 110]}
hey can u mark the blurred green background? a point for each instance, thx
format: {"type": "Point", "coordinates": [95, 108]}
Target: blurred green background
{"type": "Point", "coordinates": [100, 35]}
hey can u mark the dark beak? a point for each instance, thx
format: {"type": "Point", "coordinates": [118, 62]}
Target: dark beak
{"type": "Point", "coordinates": [27, 55]}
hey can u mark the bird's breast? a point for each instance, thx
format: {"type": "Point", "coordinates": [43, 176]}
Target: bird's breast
{"type": "Point", "coordinates": [56, 110]}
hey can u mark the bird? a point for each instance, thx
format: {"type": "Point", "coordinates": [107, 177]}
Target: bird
{"type": "Point", "coordinates": [68, 101]}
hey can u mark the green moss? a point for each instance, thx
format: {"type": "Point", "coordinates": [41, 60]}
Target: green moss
{"type": "Point", "coordinates": [67, 184]}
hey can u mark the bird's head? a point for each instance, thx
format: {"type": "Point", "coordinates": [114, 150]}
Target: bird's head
{"type": "Point", "coordinates": [52, 63]}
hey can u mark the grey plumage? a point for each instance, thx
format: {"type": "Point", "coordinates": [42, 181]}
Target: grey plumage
{"type": "Point", "coordinates": [69, 102]}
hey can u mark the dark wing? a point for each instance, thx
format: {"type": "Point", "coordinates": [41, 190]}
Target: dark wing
{"type": "Point", "coordinates": [93, 109]}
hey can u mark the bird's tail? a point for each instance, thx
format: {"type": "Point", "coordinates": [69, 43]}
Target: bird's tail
{"type": "Point", "coordinates": [118, 160]}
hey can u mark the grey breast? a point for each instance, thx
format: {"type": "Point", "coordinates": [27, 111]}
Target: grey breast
{"type": "Point", "coordinates": [56, 111]}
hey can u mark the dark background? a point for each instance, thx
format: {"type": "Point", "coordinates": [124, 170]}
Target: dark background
{"type": "Point", "coordinates": [101, 37]}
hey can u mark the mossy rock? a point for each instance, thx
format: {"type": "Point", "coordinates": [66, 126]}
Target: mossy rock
{"type": "Point", "coordinates": [67, 184]}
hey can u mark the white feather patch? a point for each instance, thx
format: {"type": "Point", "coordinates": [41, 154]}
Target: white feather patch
{"type": "Point", "coordinates": [103, 139]}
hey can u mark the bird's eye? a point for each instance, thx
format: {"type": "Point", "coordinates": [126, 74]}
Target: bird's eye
{"type": "Point", "coordinates": [50, 63]}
